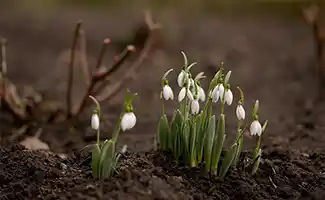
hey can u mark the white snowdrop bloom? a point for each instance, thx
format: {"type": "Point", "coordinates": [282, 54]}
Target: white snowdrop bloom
{"type": "Point", "coordinates": [229, 97]}
{"type": "Point", "coordinates": [128, 121]}
{"type": "Point", "coordinates": [215, 95]}
{"type": "Point", "coordinates": [240, 112]}
{"type": "Point", "coordinates": [182, 94]}
{"type": "Point", "coordinates": [201, 94]}
{"type": "Point", "coordinates": [221, 90]}
{"type": "Point", "coordinates": [168, 92]}
{"type": "Point", "coordinates": [95, 122]}
{"type": "Point", "coordinates": [181, 78]}
{"type": "Point", "coordinates": [256, 128]}
{"type": "Point", "coordinates": [195, 106]}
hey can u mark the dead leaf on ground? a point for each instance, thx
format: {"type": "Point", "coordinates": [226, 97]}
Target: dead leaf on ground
{"type": "Point", "coordinates": [33, 143]}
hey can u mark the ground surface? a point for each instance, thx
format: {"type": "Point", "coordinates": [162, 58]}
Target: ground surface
{"type": "Point", "coordinates": [272, 59]}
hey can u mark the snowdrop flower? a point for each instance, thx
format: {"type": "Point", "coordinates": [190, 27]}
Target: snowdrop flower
{"type": "Point", "coordinates": [195, 106]}
{"type": "Point", "coordinates": [228, 97]}
{"type": "Point", "coordinates": [167, 92]}
{"type": "Point", "coordinates": [256, 128]}
{"type": "Point", "coordinates": [128, 121]}
{"type": "Point", "coordinates": [182, 94]}
{"type": "Point", "coordinates": [181, 78]}
{"type": "Point", "coordinates": [221, 90]}
{"type": "Point", "coordinates": [240, 112]}
{"type": "Point", "coordinates": [217, 93]}
{"type": "Point", "coordinates": [95, 121]}
{"type": "Point", "coordinates": [201, 94]}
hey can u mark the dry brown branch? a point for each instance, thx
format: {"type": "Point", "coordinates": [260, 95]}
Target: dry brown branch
{"type": "Point", "coordinates": [113, 90]}
{"type": "Point", "coordinates": [71, 70]}
{"type": "Point", "coordinates": [98, 77]}
{"type": "Point", "coordinates": [83, 57]}
{"type": "Point", "coordinates": [312, 17]}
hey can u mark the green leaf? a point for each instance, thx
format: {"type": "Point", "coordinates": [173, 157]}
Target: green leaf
{"type": "Point", "coordinates": [176, 131]}
{"type": "Point", "coordinates": [106, 158]}
{"type": "Point", "coordinates": [218, 144]}
{"type": "Point", "coordinates": [257, 161]}
{"type": "Point", "coordinates": [208, 144]}
{"type": "Point", "coordinates": [228, 160]}
{"type": "Point", "coordinates": [163, 132]}
{"type": "Point", "coordinates": [239, 149]}
{"type": "Point", "coordinates": [186, 141]}
{"type": "Point", "coordinates": [193, 144]}
{"type": "Point", "coordinates": [203, 125]}
{"type": "Point", "coordinates": [95, 157]}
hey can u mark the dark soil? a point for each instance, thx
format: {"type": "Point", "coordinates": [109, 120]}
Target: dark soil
{"type": "Point", "coordinates": [26, 174]}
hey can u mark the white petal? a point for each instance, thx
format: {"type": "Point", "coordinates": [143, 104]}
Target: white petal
{"type": "Point", "coordinates": [201, 94]}
{"type": "Point", "coordinates": [256, 128]}
{"type": "Point", "coordinates": [240, 112]}
{"type": "Point", "coordinates": [95, 122]}
{"type": "Point", "coordinates": [195, 107]}
{"type": "Point", "coordinates": [190, 95]}
{"type": "Point", "coordinates": [215, 95]}
{"type": "Point", "coordinates": [132, 120]}
{"type": "Point", "coordinates": [168, 93]}
{"type": "Point", "coordinates": [228, 97]}
{"type": "Point", "coordinates": [128, 121]}
{"type": "Point", "coordinates": [181, 94]}
{"type": "Point", "coordinates": [180, 78]}
{"type": "Point", "coordinates": [221, 90]}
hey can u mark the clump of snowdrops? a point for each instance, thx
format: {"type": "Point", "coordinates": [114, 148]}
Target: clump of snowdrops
{"type": "Point", "coordinates": [104, 155]}
{"type": "Point", "coordinates": [197, 136]}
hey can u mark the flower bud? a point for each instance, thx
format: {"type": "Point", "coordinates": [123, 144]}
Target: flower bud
{"type": "Point", "coordinates": [94, 121]}
{"type": "Point", "coordinates": [228, 97]}
{"type": "Point", "coordinates": [240, 112]}
{"type": "Point", "coordinates": [195, 106]}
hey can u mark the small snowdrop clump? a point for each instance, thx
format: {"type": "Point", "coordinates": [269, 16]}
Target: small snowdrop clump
{"type": "Point", "coordinates": [104, 155]}
{"type": "Point", "coordinates": [194, 132]}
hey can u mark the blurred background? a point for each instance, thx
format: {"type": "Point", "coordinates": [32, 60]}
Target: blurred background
{"type": "Point", "coordinates": [267, 44]}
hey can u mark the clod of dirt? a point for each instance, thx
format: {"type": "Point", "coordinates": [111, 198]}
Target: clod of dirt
{"type": "Point", "coordinates": [26, 174]}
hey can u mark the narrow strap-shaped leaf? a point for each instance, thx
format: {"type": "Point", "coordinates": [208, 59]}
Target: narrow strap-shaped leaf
{"type": "Point", "coordinates": [186, 141]}
{"type": "Point", "coordinates": [208, 144]}
{"type": "Point", "coordinates": [95, 157]}
{"type": "Point", "coordinates": [163, 132]}
{"type": "Point", "coordinates": [176, 134]}
{"type": "Point", "coordinates": [106, 158]}
{"type": "Point", "coordinates": [257, 161]}
{"type": "Point", "coordinates": [239, 149]}
{"type": "Point", "coordinates": [226, 163]}
{"type": "Point", "coordinates": [193, 144]}
{"type": "Point", "coordinates": [218, 144]}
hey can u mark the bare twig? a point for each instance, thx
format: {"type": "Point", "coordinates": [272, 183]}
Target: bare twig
{"type": "Point", "coordinates": [100, 77]}
{"type": "Point", "coordinates": [311, 15]}
{"type": "Point", "coordinates": [71, 71]}
{"type": "Point", "coordinates": [102, 53]}
{"type": "Point", "coordinates": [3, 69]}
{"type": "Point", "coordinates": [3, 56]}
{"type": "Point", "coordinates": [83, 57]}
{"type": "Point", "coordinates": [114, 90]}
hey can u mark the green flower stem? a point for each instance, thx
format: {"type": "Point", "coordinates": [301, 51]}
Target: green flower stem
{"type": "Point", "coordinates": [117, 129]}
{"type": "Point", "coordinates": [257, 147]}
